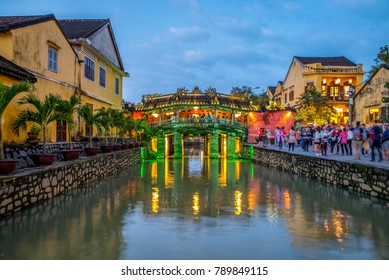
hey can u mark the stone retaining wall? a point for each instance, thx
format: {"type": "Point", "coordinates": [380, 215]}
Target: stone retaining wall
{"type": "Point", "coordinates": [30, 186]}
{"type": "Point", "coordinates": [358, 177]}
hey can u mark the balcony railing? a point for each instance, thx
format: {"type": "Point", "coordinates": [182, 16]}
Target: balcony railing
{"type": "Point", "coordinates": [201, 122]}
{"type": "Point", "coordinates": [340, 98]}
{"type": "Point", "coordinates": [355, 69]}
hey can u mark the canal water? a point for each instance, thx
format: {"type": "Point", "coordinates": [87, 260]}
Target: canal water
{"type": "Point", "coordinates": [197, 208]}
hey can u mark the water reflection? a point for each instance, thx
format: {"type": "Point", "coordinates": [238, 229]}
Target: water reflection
{"type": "Point", "coordinates": [201, 209]}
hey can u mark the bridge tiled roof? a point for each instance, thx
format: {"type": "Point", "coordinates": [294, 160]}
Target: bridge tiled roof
{"type": "Point", "coordinates": [190, 100]}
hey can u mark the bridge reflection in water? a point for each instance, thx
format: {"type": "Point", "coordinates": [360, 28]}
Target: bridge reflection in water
{"type": "Point", "coordinates": [200, 208]}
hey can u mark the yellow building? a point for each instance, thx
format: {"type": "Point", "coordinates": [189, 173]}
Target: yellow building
{"type": "Point", "coordinates": [372, 101]}
{"type": "Point", "coordinates": [47, 48]}
{"type": "Point", "coordinates": [333, 76]}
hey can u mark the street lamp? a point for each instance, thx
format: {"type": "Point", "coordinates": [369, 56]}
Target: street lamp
{"type": "Point", "coordinates": [350, 92]}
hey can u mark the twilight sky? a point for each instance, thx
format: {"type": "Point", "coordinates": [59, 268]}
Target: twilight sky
{"type": "Point", "coordinates": [168, 44]}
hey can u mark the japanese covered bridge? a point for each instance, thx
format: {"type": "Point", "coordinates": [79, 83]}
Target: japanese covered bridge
{"type": "Point", "coordinates": [201, 124]}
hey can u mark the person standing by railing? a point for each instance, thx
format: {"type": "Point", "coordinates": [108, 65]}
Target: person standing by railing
{"type": "Point", "coordinates": [357, 141]}
{"type": "Point", "coordinates": [292, 139]}
{"type": "Point", "coordinates": [385, 141]}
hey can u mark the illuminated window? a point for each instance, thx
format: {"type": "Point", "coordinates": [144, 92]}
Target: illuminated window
{"type": "Point", "coordinates": [374, 115]}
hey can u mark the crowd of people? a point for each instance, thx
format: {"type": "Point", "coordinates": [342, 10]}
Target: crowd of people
{"type": "Point", "coordinates": [358, 141]}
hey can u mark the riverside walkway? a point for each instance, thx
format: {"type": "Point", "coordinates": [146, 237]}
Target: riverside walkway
{"type": "Point", "coordinates": [346, 158]}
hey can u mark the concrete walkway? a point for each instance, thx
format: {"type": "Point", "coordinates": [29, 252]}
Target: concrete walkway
{"type": "Point", "coordinates": [364, 159]}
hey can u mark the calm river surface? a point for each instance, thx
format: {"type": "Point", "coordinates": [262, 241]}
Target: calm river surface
{"type": "Point", "coordinates": [198, 208]}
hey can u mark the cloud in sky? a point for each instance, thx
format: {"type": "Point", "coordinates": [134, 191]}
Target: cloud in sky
{"type": "Point", "coordinates": [167, 44]}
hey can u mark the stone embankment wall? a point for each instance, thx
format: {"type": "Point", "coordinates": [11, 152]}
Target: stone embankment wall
{"type": "Point", "coordinates": [34, 185]}
{"type": "Point", "coordinates": [358, 177]}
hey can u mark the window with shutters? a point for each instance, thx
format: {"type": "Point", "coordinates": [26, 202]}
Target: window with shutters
{"type": "Point", "coordinates": [53, 60]}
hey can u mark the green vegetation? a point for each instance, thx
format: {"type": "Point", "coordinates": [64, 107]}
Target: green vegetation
{"type": "Point", "coordinates": [6, 96]}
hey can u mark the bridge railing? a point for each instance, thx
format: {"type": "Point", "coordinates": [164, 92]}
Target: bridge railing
{"type": "Point", "coordinates": [199, 122]}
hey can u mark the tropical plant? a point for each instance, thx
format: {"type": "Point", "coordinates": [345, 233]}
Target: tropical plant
{"type": "Point", "coordinates": [313, 106]}
{"type": "Point", "coordinates": [6, 96]}
{"type": "Point", "coordinates": [90, 119]}
{"type": "Point", "coordinates": [106, 121]}
{"type": "Point", "coordinates": [43, 114]}
{"type": "Point", "coordinates": [66, 109]}
{"type": "Point", "coordinates": [141, 128]}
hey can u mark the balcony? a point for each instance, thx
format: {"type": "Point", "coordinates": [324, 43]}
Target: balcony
{"type": "Point", "coordinates": [341, 97]}
{"type": "Point", "coordinates": [332, 69]}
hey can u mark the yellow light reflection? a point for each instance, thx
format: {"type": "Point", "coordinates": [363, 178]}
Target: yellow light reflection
{"type": "Point", "coordinates": [196, 203]}
{"type": "Point", "coordinates": [286, 196]}
{"type": "Point", "coordinates": [237, 170]}
{"type": "Point", "coordinates": [154, 173]}
{"type": "Point", "coordinates": [238, 202]}
{"type": "Point", "coordinates": [154, 200]}
{"type": "Point", "coordinates": [340, 225]}
{"type": "Point", "coordinates": [169, 174]}
{"type": "Point", "coordinates": [223, 172]}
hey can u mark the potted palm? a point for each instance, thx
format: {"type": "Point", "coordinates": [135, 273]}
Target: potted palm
{"type": "Point", "coordinates": [67, 108]}
{"type": "Point", "coordinates": [32, 135]}
{"type": "Point", "coordinates": [41, 113]}
{"type": "Point", "coordinates": [90, 119]}
{"type": "Point", "coordinates": [7, 166]}
{"type": "Point", "coordinates": [105, 119]}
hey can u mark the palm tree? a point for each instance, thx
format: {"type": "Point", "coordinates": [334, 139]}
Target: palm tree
{"type": "Point", "coordinates": [105, 119]}
{"type": "Point", "coordinates": [6, 96]}
{"type": "Point", "coordinates": [43, 114]}
{"type": "Point", "coordinates": [140, 127]}
{"type": "Point", "coordinates": [67, 108]}
{"type": "Point", "coordinates": [90, 119]}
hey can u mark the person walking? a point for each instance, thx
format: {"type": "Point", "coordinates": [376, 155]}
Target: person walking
{"type": "Point", "coordinates": [376, 143]}
{"type": "Point", "coordinates": [325, 134]}
{"type": "Point", "coordinates": [317, 141]}
{"type": "Point", "coordinates": [357, 141]}
{"type": "Point", "coordinates": [292, 139]}
{"type": "Point", "coordinates": [350, 139]}
{"type": "Point", "coordinates": [280, 138]}
{"type": "Point", "coordinates": [385, 141]}
{"type": "Point", "coordinates": [334, 140]}
{"type": "Point", "coordinates": [343, 141]}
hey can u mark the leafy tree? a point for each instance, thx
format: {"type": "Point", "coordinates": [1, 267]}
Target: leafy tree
{"type": "Point", "coordinates": [243, 92]}
{"type": "Point", "coordinates": [6, 96]}
{"type": "Point", "coordinates": [274, 106]}
{"type": "Point", "coordinates": [315, 107]}
{"type": "Point", "coordinates": [381, 58]}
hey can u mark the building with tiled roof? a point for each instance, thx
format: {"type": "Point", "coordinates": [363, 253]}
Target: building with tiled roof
{"type": "Point", "coordinates": [333, 76]}
{"type": "Point", "coordinates": [11, 73]}
{"type": "Point", "coordinates": [371, 102]}
{"type": "Point", "coordinates": [65, 56]}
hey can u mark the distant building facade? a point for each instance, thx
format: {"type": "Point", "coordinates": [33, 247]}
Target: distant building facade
{"type": "Point", "coordinates": [372, 100]}
{"type": "Point", "coordinates": [333, 76]}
